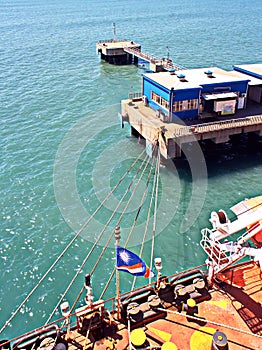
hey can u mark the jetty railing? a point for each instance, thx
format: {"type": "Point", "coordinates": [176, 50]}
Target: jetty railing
{"type": "Point", "coordinates": [137, 52]}
{"type": "Point", "coordinates": [165, 62]}
{"type": "Point", "coordinates": [219, 125]}
{"type": "Point", "coordinates": [112, 41]}
{"type": "Point", "coordinates": [135, 95]}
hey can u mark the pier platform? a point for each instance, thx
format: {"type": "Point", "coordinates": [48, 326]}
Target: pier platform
{"type": "Point", "coordinates": [170, 137]}
{"type": "Point", "coordinates": [128, 52]}
{"type": "Point", "coordinates": [114, 51]}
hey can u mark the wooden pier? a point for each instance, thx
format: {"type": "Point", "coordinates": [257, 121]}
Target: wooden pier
{"type": "Point", "coordinates": [170, 137]}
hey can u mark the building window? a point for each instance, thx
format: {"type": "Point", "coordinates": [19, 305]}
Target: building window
{"type": "Point", "coordinates": [159, 100]}
{"type": "Point", "coordinates": [185, 105]}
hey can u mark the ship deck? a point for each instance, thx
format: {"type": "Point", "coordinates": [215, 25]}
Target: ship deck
{"type": "Point", "coordinates": [231, 306]}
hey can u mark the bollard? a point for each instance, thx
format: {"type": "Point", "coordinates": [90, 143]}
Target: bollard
{"type": "Point", "coordinates": [219, 341]}
{"type": "Point", "coordinates": [191, 308]}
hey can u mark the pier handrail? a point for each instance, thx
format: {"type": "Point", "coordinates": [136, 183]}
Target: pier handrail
{"type": "Point", "coordinates": [135, 95]}
{"type": "Point", "coordinates": [166, 63]}
{"type": "Point", "coordinates": [141, 54]}
{"type": "Point", "coordinates": [222, 124]}
{"type": "Point", "coordinates": [112, 41]}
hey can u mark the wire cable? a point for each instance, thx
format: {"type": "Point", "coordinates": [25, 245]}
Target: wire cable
{"type": "Point", "coordinates": [133, 225]}
{"type": "Point", "coordinates": [122, 214]}
{"type": "Point", "coordinates": [14, 313]}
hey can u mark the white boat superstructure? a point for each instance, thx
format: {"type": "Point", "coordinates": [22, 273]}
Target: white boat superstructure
{"type": "Point", "coordinates": [245, 231]}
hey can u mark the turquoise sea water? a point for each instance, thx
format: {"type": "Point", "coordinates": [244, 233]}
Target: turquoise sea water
{"type": "Point", "coordinates": [62, 149]}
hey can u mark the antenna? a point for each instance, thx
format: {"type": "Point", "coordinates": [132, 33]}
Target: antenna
{"type": "Point", "coordinates": [114, 26]}
{"type": "Point", "coordinates": [117, 238]}
{"type": "Point", "coordinates": [167, 52]}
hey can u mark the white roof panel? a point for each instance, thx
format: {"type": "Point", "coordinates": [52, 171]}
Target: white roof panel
{"type": "Point", "coordinates": [194, 78]}
{"type": "Point", "coordinates": [251, 68]}
{"type": "Point", "coordinates": [253, 80]}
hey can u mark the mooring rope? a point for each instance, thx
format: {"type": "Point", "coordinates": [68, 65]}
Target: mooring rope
{"type": "Point", "coordinates": [119, 220]}
{"type": "Point", "coordinates": [140, 206]}
{"type": "Point", "coordinates": [93, 247]}
{"type": "Point", "coordinates": [132, 228]}
{"type": "Point", "coordinates": [133, 225]}
{"type": "Point", "coordinates": [15, 312]}
{"type": "Point", "coordinates": [155, 212]}
{"type": "Point", "coordinates": [148, 213]}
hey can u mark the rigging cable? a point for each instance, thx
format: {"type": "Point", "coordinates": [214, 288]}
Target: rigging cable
{"type": "Point", "coordinates": [92, 249]}
{"type": "Point", "coordinates": [14, 313]}
{"type": "Point", "coordinates": [131, 230]}
{"type": "Point", "coordinates": [149, 212]}
{"type": "Point", "coordinates": [122, 214]}
{"type": "Point", "coordinates": [155, 212]}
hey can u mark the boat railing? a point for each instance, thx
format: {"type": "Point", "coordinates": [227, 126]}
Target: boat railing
{"type": "Point", "coordinates": [27, 341]}
{"type": "Point", "coordinates": [219, 258]}
{"type": "Point", "coordinates": [221, 254]}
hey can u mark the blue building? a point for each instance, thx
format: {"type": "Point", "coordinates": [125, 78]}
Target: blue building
{"type": "Point", "coordinates": [185, 99]}
{"type": "Point", "coordinates": [195, 93]}
{"type": "Point", "coordinates": [254, 73]}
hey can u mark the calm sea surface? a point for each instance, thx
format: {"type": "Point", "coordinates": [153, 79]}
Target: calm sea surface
{"type": "Point", "coordinates": [62, 149]}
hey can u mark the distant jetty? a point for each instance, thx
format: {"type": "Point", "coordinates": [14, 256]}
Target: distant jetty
{"type": "Point", "coordinates": [117, 51]}
{"type": "Point", "coordinates": [122, 51]}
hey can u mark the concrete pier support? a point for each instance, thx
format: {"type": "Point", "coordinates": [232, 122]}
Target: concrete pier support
{"type": "Point", "coordinates": [135, 60]}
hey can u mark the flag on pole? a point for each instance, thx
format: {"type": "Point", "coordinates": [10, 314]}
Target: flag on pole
{"type": "Point", "coordinates": [129, 262]}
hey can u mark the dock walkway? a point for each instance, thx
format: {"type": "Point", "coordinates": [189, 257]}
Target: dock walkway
{"type": "Point", "coordinates": [124, 51]}
{"type": "Point", "coordinates": [156, 64]}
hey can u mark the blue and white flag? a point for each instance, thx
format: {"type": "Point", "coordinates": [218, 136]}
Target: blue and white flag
{"type": "Point", "coordinates": [131, 263]}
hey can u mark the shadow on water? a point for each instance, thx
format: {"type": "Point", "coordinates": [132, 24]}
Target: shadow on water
{"type": "Point", "coordinates": [240, 153]}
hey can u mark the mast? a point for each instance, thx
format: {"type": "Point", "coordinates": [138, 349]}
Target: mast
{"type": "Point", "coordinates": [65, 310]}
{"type": "Point", "coordinates": [167, 52]}
{"type": "Point", "coordinates": [88, 287]}
{"type": "Point", "coordinates": [117, 238]}
{"type": "Point", "coordinates": [114, 26]}
{"type": "Point", "coordinates": [158, 266]}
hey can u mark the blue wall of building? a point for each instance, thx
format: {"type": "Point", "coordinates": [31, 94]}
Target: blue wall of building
{"type": "Point", "coordinates": [150, 86]}
{"type": "Point", "coordinates": [232, 86]}
{"type": "Point", "coordinates": [186, 94]}
{"type": "Point", "coordinates": [249, 72]}
{"type": "Point", "coordinates": [178, 95]}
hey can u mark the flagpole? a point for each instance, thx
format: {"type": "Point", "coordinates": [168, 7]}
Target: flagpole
{"type": "Point", "coordinates": [117, 238]}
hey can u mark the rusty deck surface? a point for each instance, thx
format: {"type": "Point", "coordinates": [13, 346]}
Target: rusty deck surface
{"type": "Point", "coordinates": [232, 306]}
